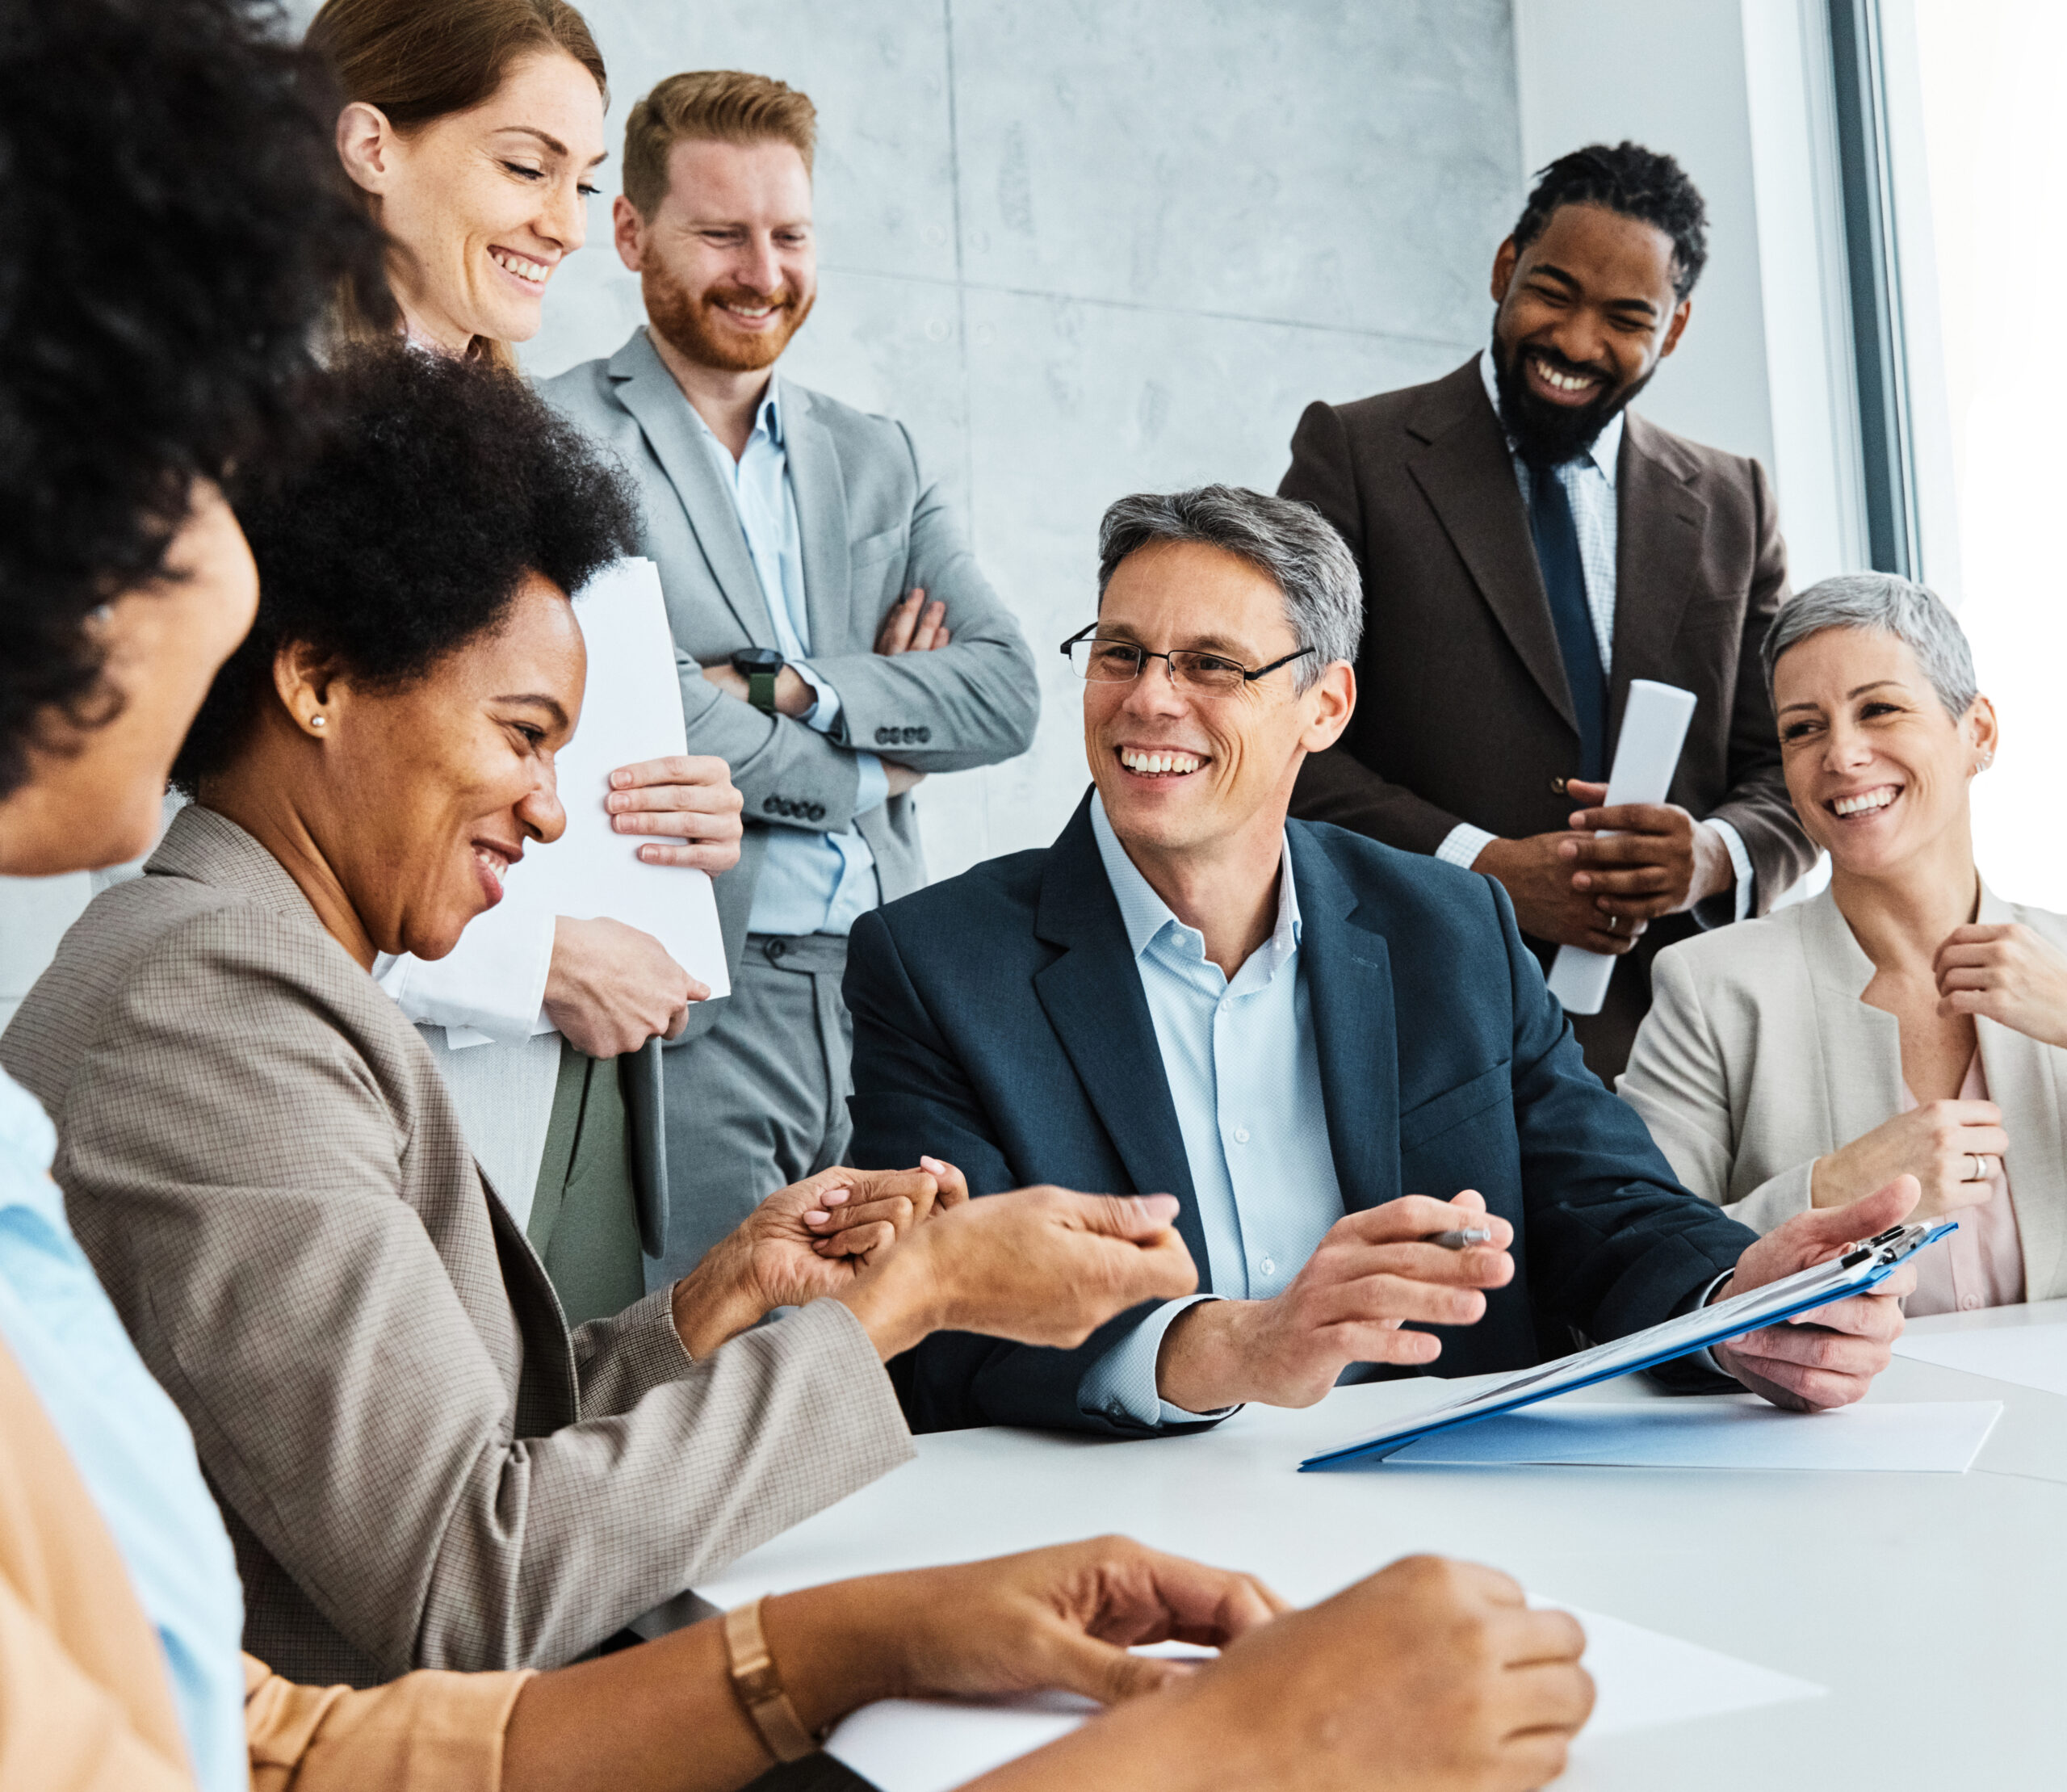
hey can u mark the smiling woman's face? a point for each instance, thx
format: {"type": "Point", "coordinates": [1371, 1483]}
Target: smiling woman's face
{"type": "Point", "coordinates": [422, 798]}
{"type": "Point", "coordinates": [1877, 771]}
{"type": "Point", "coordinates": [483, 206]}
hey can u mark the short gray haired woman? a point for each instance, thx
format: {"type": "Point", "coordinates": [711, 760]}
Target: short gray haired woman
{"type": "Point", "coordinates": [1907, 1020]}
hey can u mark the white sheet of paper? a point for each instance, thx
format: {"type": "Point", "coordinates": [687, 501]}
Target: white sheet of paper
{"type": "Point", "coordinates": [1920, 1437]}
{"type": "Point", "coordinates": [2029, 1356]}
{"type": "Point", "coordinates": [632, 712]}
{"type": "Point", "coordinates": [1654, 723]}
{"type": "Point", "coordinates": [1642, 1679]}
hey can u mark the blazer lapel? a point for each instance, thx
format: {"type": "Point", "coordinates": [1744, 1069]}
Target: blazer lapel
{"type": "Point", "coordinates": [1861, 1048]}
{"type": "Point", "coordinates": [1091, 995]}
{"type": "Point", "coordinates": [647, 390]}
{"type": "Point", "coordinates": [821, 495]}
{"type": "Point", "coordinates": [1348, 972]}
{"type": "Point", "coordinates": [1660, 521]}
{"type": "Point", "coordinates": [2021, 1081]}
{"type": "Point", "coordinates": [1467, 477]}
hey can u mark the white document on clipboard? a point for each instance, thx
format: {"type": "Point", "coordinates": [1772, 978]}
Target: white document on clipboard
{"type": "Point", "coordinates": [1654, 723]}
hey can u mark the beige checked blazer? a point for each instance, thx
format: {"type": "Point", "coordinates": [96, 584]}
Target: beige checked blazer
{"type": "Point", "coordinates": [1758, 1058]}
{"type": "Point", "coordinates": [420, 1465]}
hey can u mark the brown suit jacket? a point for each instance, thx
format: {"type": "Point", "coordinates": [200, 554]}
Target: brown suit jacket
{"type": "Point", "coordinates": [1463, 713]}
{"type": "Point", "coordinates": [419, 1464]}
{"type": "Point", "coordinates": [84, 1702]}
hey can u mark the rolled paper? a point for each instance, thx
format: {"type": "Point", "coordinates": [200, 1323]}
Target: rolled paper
{"type": "Point", "coordinates": [1654, 723]}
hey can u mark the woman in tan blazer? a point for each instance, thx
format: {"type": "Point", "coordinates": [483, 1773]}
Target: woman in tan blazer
{"type": "Point", "coordinates": [1907, 1019]}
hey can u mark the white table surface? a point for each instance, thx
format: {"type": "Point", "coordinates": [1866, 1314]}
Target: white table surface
{"type": "Point", "coordinates": [1933, 1606]}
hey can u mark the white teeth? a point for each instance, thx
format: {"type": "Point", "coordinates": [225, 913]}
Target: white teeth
{"type": "Point", "coordinates": [1135, 760]}
{"type": "Point", "coordinates": [522, 269]}
{"type": "Point", "coordinates": [1563, 382]}
{"type": "Point", "coordinates": [1864, 801]}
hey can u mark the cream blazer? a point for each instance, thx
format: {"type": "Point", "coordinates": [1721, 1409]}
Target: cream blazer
{"type": "Point", "coordinates": [1757, 1057]}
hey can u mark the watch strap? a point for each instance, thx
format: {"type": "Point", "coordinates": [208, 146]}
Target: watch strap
{"type": "Point", "coordinates": [761, 691]}
{"type": "Point", "coordinates": [760, 1686]}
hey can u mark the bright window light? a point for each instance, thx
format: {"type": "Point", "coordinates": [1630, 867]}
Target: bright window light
{"type": "Point", "coordinates": [1996, 156]}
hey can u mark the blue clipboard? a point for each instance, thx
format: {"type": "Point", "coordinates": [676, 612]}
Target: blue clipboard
{"type": "Point", "coordinates": [1864, 1267]}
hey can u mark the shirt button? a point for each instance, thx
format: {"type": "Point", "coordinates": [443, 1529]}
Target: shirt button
{"type": "Point", "coordinates": [1969, 1302]}
{"type": "Point", "coordinates": [1267, 1266]}
{"type": "Point", "coordinates": [1241, 1135]}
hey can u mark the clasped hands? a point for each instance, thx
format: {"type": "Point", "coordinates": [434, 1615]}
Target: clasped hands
{"type": "Point", "coordinates": [1372, 1274]}
{"type": "Point", "coordinates": [1601, 883]}
{"type": "Point", "coordinates": [908, 1253]}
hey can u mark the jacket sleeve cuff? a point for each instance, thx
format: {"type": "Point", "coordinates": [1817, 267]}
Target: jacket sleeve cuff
{"type": "Point", "coordinates": [1121, 1383]}
{"type": "Point", "coordinates": [1463, 844]}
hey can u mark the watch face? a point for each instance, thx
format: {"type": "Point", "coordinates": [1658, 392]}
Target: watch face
{"type": "Point", "coordinates": [750, 660]}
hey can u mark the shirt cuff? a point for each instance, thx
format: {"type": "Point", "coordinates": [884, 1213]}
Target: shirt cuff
{"type": "Point", "coordinates": [493, 981]}
{"type": "Point", "coordinates": [1705, 1358]}
{"type": "Point", "coordinates": [1463, 844]}
{"type": "Point", "coordinates": [1121, 1383]}
{"type": "Point", "coordinates": [826, 711]}
{"type": "Point", "coordinates": [1740, 863]}
{"type": "Point", "coordinates": [873, 791]}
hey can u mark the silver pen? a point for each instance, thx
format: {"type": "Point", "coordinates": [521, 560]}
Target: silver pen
{"type": "Point", "coordinates": [1460, 1241]}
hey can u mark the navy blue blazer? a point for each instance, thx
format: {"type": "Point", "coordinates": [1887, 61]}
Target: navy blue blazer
{"type": "Point", "coordinates": [999, 1023]}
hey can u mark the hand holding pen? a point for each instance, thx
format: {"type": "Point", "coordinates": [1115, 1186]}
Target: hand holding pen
{"type": "Point", "coordinates": [1413, 1261]}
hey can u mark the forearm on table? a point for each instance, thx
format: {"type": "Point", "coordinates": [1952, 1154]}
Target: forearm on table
{"type": "Point", "coordinates": [1207, 1361]}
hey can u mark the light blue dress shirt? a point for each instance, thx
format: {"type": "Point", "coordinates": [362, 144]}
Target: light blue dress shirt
{"type": "Point", "coordinates": [1244, 1075]}
{"type": "Point", "coordinates": [810, 883]}
{"type": "Point", "coordinates": [1589, 484]}
{"type": "Point", "coordinates": [129, 1444]}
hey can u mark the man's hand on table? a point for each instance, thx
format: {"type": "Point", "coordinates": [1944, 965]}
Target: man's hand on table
{"type": "Point", "coordinates": [816, 1237]}
{"type": "Point", "coordinates": [689, 798]}
{"type": "Point", "coordinates": [1369, 1273]}
{"type": "Point", "coordinates": [1431, 1676]}
{"type": "Point", "coordinates": [1829, 1357]}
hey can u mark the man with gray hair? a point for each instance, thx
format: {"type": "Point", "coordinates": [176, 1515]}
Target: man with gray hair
{"type": "Point", "coordinates": [1338, 1056]}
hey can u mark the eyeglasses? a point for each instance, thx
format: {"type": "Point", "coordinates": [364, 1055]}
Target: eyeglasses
{"type": "Point", "coordinates": [1103, 661]}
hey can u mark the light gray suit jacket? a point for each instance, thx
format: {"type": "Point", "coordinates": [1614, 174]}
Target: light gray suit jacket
{"type": "Point", "coordinates": [1757, 1057]}
{"type": "Point", "coordinates": [873, 526]}
{"type": "Point", "coordinates": [420, 1465]}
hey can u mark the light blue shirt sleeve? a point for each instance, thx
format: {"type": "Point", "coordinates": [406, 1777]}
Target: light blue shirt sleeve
{"type": "Point", "coordinates": [873, 792]}
{"type": "Point", "coordinates": [826, 710]}
{"type": "Point", "coordinates": [1121, 1383]}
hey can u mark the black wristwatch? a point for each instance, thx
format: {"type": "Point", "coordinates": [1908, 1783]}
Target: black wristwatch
{"type": "Point", "coordinates": [759, 666]}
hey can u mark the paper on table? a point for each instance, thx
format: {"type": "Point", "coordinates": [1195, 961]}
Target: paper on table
{"type": "Point", "coordinates": [632, 712]}
{"type": "Point", "coordinates": [1654, 723]}
{"type": "Point", "coordinates": [1642, 1680]}
{"type": "Point", "coordinates": [1923, 1438]}
{"type": "Point", "coordinates": [2029, 1356]}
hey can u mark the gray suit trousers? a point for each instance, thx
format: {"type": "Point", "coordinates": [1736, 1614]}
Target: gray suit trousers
{"type": "Point", "coordinates": [764, 1093]}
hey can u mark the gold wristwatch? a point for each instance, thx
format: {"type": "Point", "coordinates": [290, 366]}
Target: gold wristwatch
{"type": "Point", "coordinates": [759, 1687]}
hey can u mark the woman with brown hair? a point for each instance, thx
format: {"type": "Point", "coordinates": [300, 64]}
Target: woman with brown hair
{"type": "Point", "coordinates": [471, 127]}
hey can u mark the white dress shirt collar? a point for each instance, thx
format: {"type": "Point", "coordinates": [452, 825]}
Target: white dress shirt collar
{"type": "Point", "coordinates": [1145, 915]}
{"type": "Point", "coordinates": [1607, 446]}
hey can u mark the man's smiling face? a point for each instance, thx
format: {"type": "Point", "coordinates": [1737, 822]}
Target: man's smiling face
{"type": "Point", "coordinates": [1179, 769]}
{"type": "Point", "coordinates": [1586, 313]}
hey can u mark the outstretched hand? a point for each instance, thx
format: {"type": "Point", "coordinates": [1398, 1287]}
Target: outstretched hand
{"type": "Point", "coordinates": [1828, 1357]}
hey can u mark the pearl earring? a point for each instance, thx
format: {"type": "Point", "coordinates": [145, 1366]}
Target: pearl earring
{"type": "Point", "coordinates": [318, 721]}
{"type": "Point", "coordinates": [1987, 759]}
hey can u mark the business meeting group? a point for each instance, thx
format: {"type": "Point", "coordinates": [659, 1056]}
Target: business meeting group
{"type": "Point", "coordinates": [394, 1310]}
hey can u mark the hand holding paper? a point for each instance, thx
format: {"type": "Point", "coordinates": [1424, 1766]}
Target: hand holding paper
{"type": "Point", "coordinates": [1654, 722]}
